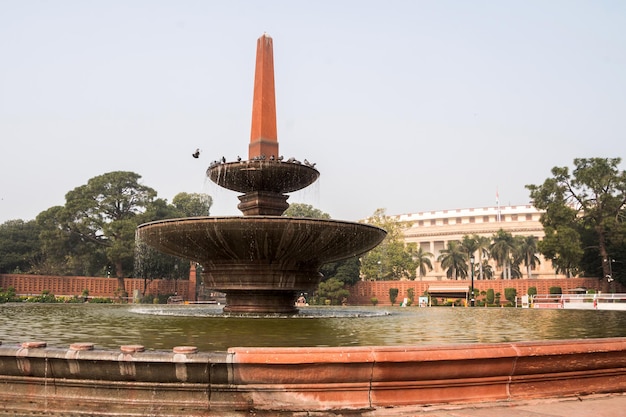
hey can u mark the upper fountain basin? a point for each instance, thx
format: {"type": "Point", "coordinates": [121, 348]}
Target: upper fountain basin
{"type": "Point", "coordinates": [262, 175]}
{"type": "Point", "coordinates": [265, 239]}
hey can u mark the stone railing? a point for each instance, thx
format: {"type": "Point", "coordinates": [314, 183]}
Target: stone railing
{"type": "Point", "coordinates": [38, 379]}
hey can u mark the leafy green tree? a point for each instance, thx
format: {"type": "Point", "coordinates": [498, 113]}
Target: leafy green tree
{"type": "Point", "coordinates": [332, 289]}
{"type": "Point", "coordinates": [589, 205]}
{"type": "Point", "coordinates": [193, 204]}
{"type": "Point", "coordinates": [347, 270]}
{"type": "Point", "coordinates": [392, 259]}
{"type": "Point", "coordinates": [454, 260]}
{"type": "Point", "coordinates": [305, 210]}
{"type": "Point", "coordinates": [19, 246]}
{"type": "Point", "coordinates": [105, 212]}
{"type": "Point", "coordinates": [562, 245]}
{"type": "Point", "coordinates": [64, 252]}
{"type": "Point", "coordinates": [532, 291]}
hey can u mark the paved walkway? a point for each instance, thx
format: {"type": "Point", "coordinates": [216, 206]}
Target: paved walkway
{"type": "Point", "coordinates": [613, 405]}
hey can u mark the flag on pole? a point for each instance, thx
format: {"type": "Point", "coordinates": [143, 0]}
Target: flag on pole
{"type": "Point", "coordinates": [498, 215]}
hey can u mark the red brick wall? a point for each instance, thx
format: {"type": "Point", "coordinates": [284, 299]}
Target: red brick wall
{"type": "Point", "coordinates": [363, 291]}
{"type": "Point", "coordinates": [98, 287]}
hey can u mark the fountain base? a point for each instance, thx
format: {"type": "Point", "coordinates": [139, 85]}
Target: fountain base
{"type": "Point", "coordinates": [261, 302]}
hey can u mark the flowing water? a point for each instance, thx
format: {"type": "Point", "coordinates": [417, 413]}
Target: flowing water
{"type": "Point", "coordinates": [161, 327]}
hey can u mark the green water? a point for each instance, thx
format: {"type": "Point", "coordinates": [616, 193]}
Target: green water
{"type": "Point", "coordinates": [163, 327]}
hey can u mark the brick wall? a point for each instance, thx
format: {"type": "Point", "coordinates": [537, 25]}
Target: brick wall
{"type": "Point", "coordinates": [98, 287]}
{"type": "Point", "coordinates": [363, 291]}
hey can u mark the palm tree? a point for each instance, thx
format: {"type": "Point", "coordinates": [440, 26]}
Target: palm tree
{"type": "Point", "coordinates": [502, 249]}
{"type": "Point", "coordinates": [470, 244]}
{"type": "Point", "coordinates": [484, 243]}
{"type": "Point", "coordinates": [454, 260]}
{"type": "Point", "coordinates": [485, 269]}
{"type": "Point", "coordinates": [528, 252]}
{"type": "Point", "coordinates": [422, 261]}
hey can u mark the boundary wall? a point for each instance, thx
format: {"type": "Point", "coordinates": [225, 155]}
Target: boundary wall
{"type": "Point", "coordinates": [362, 292]}
{"type": "Point", "coordinates": [97, 286]}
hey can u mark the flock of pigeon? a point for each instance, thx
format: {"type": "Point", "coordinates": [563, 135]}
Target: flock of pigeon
{"type": "Point", "coordinates": [196, 155]}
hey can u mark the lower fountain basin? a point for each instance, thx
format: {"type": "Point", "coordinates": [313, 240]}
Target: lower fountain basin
{"type": "Point", "coordinates": [260, 262]}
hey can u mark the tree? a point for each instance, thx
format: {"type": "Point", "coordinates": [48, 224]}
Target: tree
{"type": "Point", "coordinates": [392, 259]}
{"type": "Point", "coordinates": [527, 250]}
{"type": "Point", "coordinates": [64, 252]}
{"type": "Point", "coordinates": [393, 295]}
{"type": "Point", "coordinates": [510, 294]}
{"type": "Point", "coordinates": [485, 269]}
{"type": "Point", "coordinates": [105, 212]}
{"type": "Point", "coordinates": [332, 289]}
{"type": "Point", "coordinates": [19, 246]}
{"type": "Point", "coordinates": [471, 246]}
{"type": "Point", "coordinates": [490, 296]}
{"type": "Point", "coordinates": [193, 204]}
{"type": "Point", "coordinates": [589, 205]}
{"type": "Point", "coordinates": [502, 250]}
{"type": "Point", "coordinates": [483, 243]}
{"type": "Point", "coordinates": [454, 259]}
{"type": "Point", "coordinates": [422, 261]}
{"type": "Point", "coordinates": [305, 210]}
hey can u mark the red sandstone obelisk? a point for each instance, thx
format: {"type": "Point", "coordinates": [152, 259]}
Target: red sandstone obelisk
{"type": "Point", "coordinates": [263, 135]}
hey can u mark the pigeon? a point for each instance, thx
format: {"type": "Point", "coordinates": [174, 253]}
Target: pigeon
{"type": "Point", "coordinates": [196, 154]}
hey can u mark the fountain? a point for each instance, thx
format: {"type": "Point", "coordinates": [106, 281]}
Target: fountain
{"type": "Point", "coordinates": [261, 260]}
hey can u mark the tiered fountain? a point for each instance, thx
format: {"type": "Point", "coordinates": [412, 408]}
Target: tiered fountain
{"type": "Point", "coordinates": [263, 259]}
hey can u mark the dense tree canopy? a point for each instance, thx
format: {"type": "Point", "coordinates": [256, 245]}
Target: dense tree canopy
{"type": "Point", "coordinates": [192, 204]}
{"type": "Point", "coordinates": [584, 218]}
{"type": "Point", "coordinates": [93, 234]}
{"type": "Point", "coordinates": [392, 259]}
{"type": "Point", "coordinates": [19, 245]}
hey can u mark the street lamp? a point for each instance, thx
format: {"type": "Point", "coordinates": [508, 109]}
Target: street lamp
{"type": "Point", "coordinates": [472, 260]}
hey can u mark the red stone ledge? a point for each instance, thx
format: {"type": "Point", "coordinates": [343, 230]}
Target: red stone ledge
{"type": "Point", "coordinates": [375, 377]}
{"type": "Point", "coordinates": [293, 380]}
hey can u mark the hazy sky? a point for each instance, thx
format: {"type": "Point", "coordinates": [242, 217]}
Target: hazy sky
{"type": "Point", "coordinates": [404, 105]}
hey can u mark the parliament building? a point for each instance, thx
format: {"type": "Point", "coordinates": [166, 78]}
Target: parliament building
{"type": "Point", "coordinates": [432, 230]}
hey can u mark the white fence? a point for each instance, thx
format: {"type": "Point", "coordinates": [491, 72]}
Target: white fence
{"type": "Point", "coordinates": [580, 301]}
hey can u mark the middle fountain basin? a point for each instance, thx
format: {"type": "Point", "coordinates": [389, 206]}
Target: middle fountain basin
{"type": "Point", "coordinates": [260, 257]}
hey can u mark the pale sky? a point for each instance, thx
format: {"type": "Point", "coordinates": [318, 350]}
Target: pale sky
{"type": "Point", "coordinates": [404, 105]}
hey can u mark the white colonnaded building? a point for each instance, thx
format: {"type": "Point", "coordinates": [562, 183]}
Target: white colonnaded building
{"type": "Point", "coordinates": [432, 230]}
